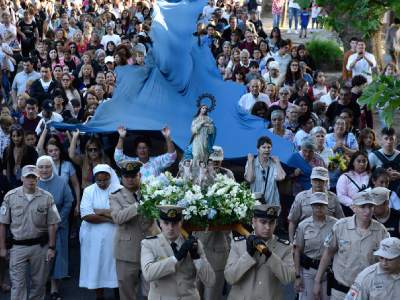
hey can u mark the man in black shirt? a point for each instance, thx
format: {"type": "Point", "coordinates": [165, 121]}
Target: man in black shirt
{"type": "Point", "coordinates": [30, 119]}
{"type": "Point", "coordinates": [28, 31]}
{"type": "Point", "coordinates": [43, 87]}
{"type": "Point", "coordinates": [226, 35]}
{"type": "Point", "coordinates": [344, 101]}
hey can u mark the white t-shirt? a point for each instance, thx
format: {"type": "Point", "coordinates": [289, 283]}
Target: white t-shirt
{"type": "Point", "coordinates": [299, 137]}
{"type": "Point", "coordinates": [362, 67]}
{"type": "Point", "coordinates": [107, 38]}
{"type": "Point", "coordinates": [283, 62]}
{"type": "Point", "coordinates": [326, 99]}
{"type": "Point", "coordinates": [208, 11]}
{"type": "Point", "coordinates": [248, 100]}
{"type": "Point", "coordinates": [11, 29]}
{"type": "Point", "coordinates": [294, 4]}
{"type": "Point", "coordinates": [315, 11]}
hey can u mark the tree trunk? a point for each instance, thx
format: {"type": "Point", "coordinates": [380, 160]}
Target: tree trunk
{"type": "Point", "coordinates": [376, 45]}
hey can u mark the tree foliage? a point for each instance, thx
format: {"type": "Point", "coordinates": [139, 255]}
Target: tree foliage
{"type": "Point", "coordinates": [363, 15]}
{"type": "Point", "coordinates": [383, 93]}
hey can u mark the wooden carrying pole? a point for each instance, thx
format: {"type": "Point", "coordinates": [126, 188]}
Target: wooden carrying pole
{"type": "Point", "coordinates": [235, 227]}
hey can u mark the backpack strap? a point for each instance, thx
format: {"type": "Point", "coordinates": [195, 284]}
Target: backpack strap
{"type": "Point", "coordinates": [355, 183]}
{"type": "Point", "coordinates": [381, 157]}
{"type": "Point", "coordinates": [395, 163]}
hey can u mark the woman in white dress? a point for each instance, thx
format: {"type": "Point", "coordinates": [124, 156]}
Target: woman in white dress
{"type": "Point", "coordinates": [97, 232]}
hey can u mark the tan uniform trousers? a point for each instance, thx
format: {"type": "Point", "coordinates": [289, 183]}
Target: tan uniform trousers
{"type": "Point", "coordinates": [338, 295]}
{"type": "Point", "coordinates": [129, 279]}
{"type": "Point", "coordinates": [214, 292]}
{"type": "Point", "coordinates": [34, 256]}
{"type": "Point", "coordinates": [308, 281]}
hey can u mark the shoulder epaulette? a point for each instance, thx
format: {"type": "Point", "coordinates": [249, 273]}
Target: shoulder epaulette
{"type": "Point", "coordinates": [116, 191]}
{"type": "Point", "coordinates": [239, 238]}
{"type": "Point", "coordinates": [13, 191]}
{"type": "Point", "coordinates": [151, 237]}
{"type": "Point", "coordinates": [283, 241]}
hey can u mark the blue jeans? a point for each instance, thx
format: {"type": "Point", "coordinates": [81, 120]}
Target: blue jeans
{"type": "Point", "coordinates": [276, 20]}
{"type": "Point", "coordinates": [293, 13]}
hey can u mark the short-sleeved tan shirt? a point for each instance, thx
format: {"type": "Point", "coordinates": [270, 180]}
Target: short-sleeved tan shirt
{"type": "Point", "coordinates": [374, 283]}
{"type": "Point", "coordinates": [301, 207]}
{"type": "Point", "coordinates": [28, 219]}
{"type": "Point", "coordinates": [311, 236]}
{"type": "Point", "coordinates": [354, 252]}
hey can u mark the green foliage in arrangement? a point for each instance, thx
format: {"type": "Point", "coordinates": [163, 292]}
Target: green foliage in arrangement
{"type": "Point", "coordinates": [384, 94]}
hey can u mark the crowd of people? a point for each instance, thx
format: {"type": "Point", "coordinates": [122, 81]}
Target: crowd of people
{"type": "Point", "coordinates": [333, 215]}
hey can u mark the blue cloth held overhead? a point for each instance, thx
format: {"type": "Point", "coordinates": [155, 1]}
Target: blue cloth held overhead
{"type": "Point", "coordinates": [177, 72]}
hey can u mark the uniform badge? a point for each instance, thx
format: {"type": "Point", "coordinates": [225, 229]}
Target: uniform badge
{"type": "Point", "coordinates": [3, 210]}
{"type": "Point", "coordinates": [129, 167]}
{"type": "Point", "coordinates": [352, 294]}
{"type": "Point", "coordinates": [172, 213]}
{"type": "Point", "coordinates": [271, 211]}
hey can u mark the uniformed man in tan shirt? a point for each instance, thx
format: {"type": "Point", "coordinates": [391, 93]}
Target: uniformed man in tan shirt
{"type": "Point", "coordinates": [351, 245]}
{"type": "Point", "coordinates": [215, 163]}
{"type": "Point", "coordinates": [33, 217]}
{"type": "Point", "coordinates": [301, 207]}
{"type": "Point", "coordinates": [132, 228]}
{"type": "Point", "coordinates": [260, 276]}
{"type": "Point", "coordinates": [215, 243]}
{"type": "Point", "coordinates": [171, 263]}
{"type": "Point", "coordinates": [380, 281]}
{"type": "Point", "coordinates": [309, 244]}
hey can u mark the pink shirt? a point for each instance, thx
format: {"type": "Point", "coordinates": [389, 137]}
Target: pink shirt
{"type": "Point", "coordinates": [278, 103]}
{"type": "Point", "coordinates": [346, 189]}
{"type": "Point", "coordinates": [277, 6]}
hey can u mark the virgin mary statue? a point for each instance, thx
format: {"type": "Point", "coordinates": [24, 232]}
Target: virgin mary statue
{"type": "Point", "coordinates": [203, 137]}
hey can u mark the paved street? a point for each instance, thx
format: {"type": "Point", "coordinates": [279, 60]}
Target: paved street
{"type": "Point", "coordinates": [70, 291]}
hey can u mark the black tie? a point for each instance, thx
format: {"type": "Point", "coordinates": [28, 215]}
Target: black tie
{"type": "Point", "coordinates": [174, 247]}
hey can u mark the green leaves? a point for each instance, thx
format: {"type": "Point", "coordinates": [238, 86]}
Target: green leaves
{"type": "Point", "coordinates": [304, 3]}
{"type": "Point", "coordinates": [325, 53]}
{"type": "Point", "coordinates": [363, 15]}
{"type": "Point", "coordinates": [383, 94]}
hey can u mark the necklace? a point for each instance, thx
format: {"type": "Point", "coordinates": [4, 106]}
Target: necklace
{"type": "Point", "coordinates": [388, 155]}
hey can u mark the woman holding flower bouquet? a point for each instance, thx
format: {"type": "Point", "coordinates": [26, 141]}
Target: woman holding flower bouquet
{"type": "Point", "coordinates": [341, 141]}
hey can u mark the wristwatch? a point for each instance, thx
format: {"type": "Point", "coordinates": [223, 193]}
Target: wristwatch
{"type": "Point", "coordinates": [298, 276]}
{"type": "Point", "coordinates": [52, 248]}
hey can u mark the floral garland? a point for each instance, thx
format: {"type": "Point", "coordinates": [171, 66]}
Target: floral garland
{"type": "Point", "coordinates": [225, 202]}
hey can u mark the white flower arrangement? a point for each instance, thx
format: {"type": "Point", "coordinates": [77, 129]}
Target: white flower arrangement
{"type": "Point", "coordinates": [224, 202]}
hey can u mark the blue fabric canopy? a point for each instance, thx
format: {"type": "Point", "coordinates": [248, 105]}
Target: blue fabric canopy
{"type": "Point", "coordinates": [165, 91]}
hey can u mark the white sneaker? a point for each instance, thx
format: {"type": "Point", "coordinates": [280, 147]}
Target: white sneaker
{"type": "Point", "coordinates": [289, 30]}
{"type": "Point", "coordinates": [296, 32]}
